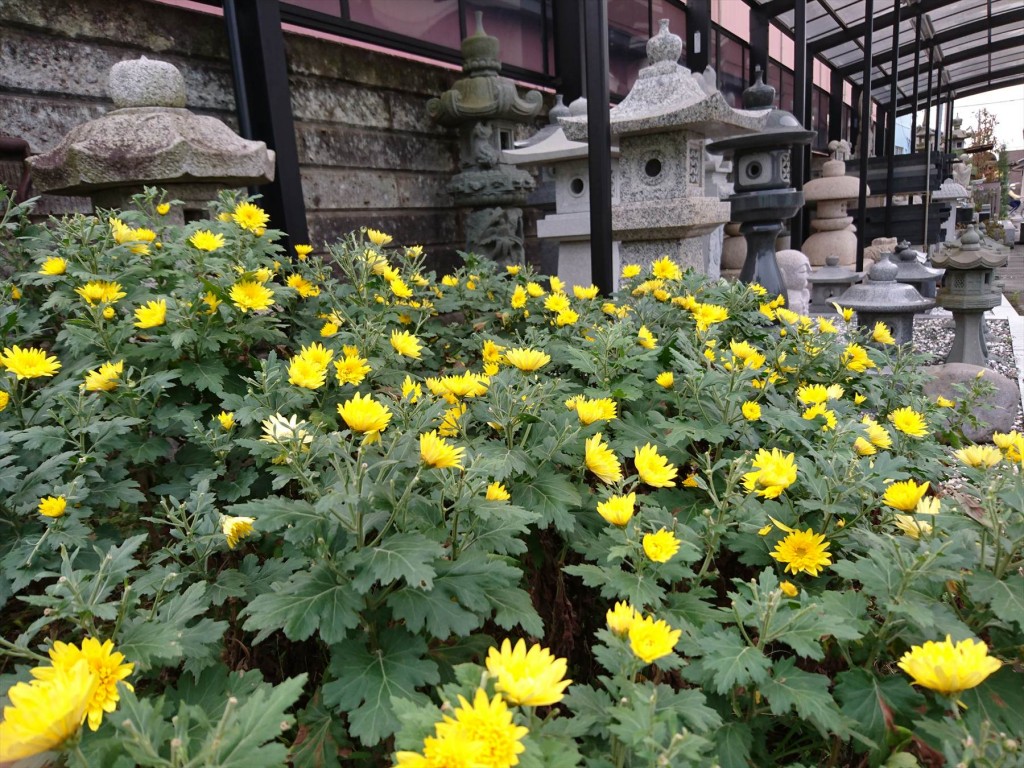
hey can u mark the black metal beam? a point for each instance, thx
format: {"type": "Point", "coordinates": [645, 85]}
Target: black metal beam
{"type": "Point", "coordinates": [698, 35]}
{"type": "Point", "coordinates": [568, 21]}
{"type": "Point", "coordinates": [854, 127]}
{"type": "Point", "coordinates": [260, 63]}
{"type": "Point", "coordinates": [599, 138]}
{"type": "Point", "coordinates": [865, 129]}
{"type": "Point", "coordinates": [775, 8]}
{"type": "Point", "coordinates": [1005, 19]}
{"type": "Point", "coordinates": [891, 122]}
{"type": "Point", "coordinates": [857, 30]}
{"type": "Point", "coordinates": [964, 88]}
{"type": "Point", "coordinates": [955, 58]}
{"type": "Point", "coordinates": [881, 125]}
{"type": "Point", "coordinates": [758, 45]}
{"type": "Point", "coordinates": [974, 91]}
{"type": "Point", "coordinates": [800, 160]}
{"type": "Point", "coordinates": [835, 106]}
{"type": "Point", "coordinates": [928, 102]}
{"type": "Point", "coordinates": [915, 98]}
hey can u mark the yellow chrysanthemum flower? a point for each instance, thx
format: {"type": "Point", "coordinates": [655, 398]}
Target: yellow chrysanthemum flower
{"type": "Point", "coordinates": [617, 510]}
{"type": "Point", "coordinates": [405, 344]}
{"type": "Point", "coordinates": [485, 725]}
{"type": "Point", "coordinates": [249, 295]}
{"type": "Point", "coordinates": [281, 430]}
{"type": "Point", "coordinates": [556, 302]}
{"type": "Point", "coordinates": [4, 399]}
{"type": "Point", "coordinates": [911, 527]}
{"type": "Point", "coordinates": [590, 411]}
{"type": "Point", "coordinates": [351, 369]}
{"type": "Point", "coordinates": [236, 528]}
{"type": "Point", "coordinates": [881, 334]}
{"type": "Point", "coordinates": [566, 317]}
{"type": "Point", "coordinates": [1011, 444]}
{"type": "Point", "coordinates": [929, 505]}
{"type": "Point", "coordinates": [979, 456]}
{"type": "Point", "coordinates": [904, 495]}
{"type": "Point", "coordinates": [653, 468]}
{"type": "Point", "coordinates": [661, 546]}
{"type": "Point", "coordinates": [438, 453]}
{"type": "Point", "coordinates": [497, 492]}
{"type": "Point", "coordinates": [877, 434]}
{"type": "Point", "coordinates": [751, 410]}
{"type": "Point", "coordinates": [947, 667]}
{"type": "Point", "coordinates": [104, 664]}
{"type": "Point", "coordinates": [100, 292]}
{"type": "Point", "coordinates": [302, 286]}
{"type": "Point", "coordinates": [531, 678]}
{"type": "Point", "coordinates": [773, 473]}
{"type": "Point", "coordinates": [856, 358]}
{"type": "Point", "coordinates": [909, 422]}
{"type": "Point", "coordinates": [651, 640]}
{"type": "Point", "coordinates": [943, 402]}
{"type": "Point", "coordinates": [305, 373]}
{"type": "Point", "coordinates": [845, 312]}
{"type": "Point", "coordinates": [820, 410]}
{"type": "Point", "coordinates": [365, 415]}
{"type": "Point", "coordinates": [227, 420]}
{"type": "Point", "coordinates": [43, 714]}
{"type": "Point", "coordinates": [825, 326]}
{"type": "Point", "coordinates": [163, 208]}
{"type": "Point", "coordinates": [645, 338]}
{"type": "Point", "coordinates": [666, 269]}
{"type": "Point", "coordinates": [665, 379]}
{"type": "Point", "coordinates": [205, 240]}
{"type": "Point", "coordinates": [602, 461]}
{"type": "Point", "coordinates": [812, 394]}
{"type": "Point", "coordinates": [152, 314]}
{"type": "Point", "coordinates": [621, 618]}
{"type": "Point", "coordinates": [789, 589]}
{"type": "Point", "coordinates": [28, 362]}
{"type": "Point", "coordinates": [377, 237]}
{"type": "Point", "coordinates": [105, 378]}
{"type": "Point", "coordinates": [706, 315]}
{"type": "Point", "coordinates": [527, 359]}
{"type": "Point", "coordinates": [250, 217]}
{"type": "Point", "coordinates": [411, 390]}
{"type": "Point", "coordinates": [54, 266]}
{"type": "Point", "coordinates": [589, 292]}
{"type": "Point", "coordinates": [52, 506]}
{"type": "Point", "coordinates": [303, 250]}
{"type": "Point", "coordinates": [803, 552]}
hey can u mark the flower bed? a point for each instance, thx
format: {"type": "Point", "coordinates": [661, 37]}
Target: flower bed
{"type": "Point", "coordinates": [263, 508]}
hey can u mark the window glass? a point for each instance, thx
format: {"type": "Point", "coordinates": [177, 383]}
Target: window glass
{"type": "Point", "coordinates": [329, 7]}
{"type": "Point", "coordinates": [628, 32]}
{"type": "Point", "coordinates": [732, 59]}
{"type": "Point", "coordinates": [518, 25]}
{"type": "Point", "coordinates": [674, 12]}
{"type": "Point", "coordinates": [435, 22]}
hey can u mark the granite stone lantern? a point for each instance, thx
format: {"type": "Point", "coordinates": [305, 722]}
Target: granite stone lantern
{"type": "Point", "coordinates": [881, 299]}
{"type": "Point", "coordinates": [761, 176]}
{"type": "Point", "coordinates": [953, 192]}
{"type": "Point", "coordinates": [913, 272]}
{"type": "Point", "coordinates": [150, 139]}
{"type": "Point", "coordinates": [833, 229]}
{"type": "Point", "coordinates": [830, 282]}
{"type": "Point", "coordinates": [570, 224]}
{"type": "Point", "coordinates": [486, 108]}
{"type": "Point", "coordinates": [661, 127]}
{"type": "Point", "coordinates": [968, 291]}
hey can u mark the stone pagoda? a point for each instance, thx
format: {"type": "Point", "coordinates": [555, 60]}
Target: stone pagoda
{"type": "Point", "coordinates": [150, 139]}
{"type": "Point", "coordinates": [569, 225]}
{"type": "Point", "coordinates": [834, 232]}
{"type": "Point", "coordinates": [660, 127]}
{"type": "Point", "coordinates": [486, 107]}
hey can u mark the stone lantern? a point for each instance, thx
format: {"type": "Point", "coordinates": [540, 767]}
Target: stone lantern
{"type": "Point", "coordinates": [486, 107]}
{"type": "Point", "coordinates": [968, 291]}
{"type": "Point", "coordinates": [761, 177]}
{"type": "Point", "coordinates": [953, 192]}
{"type": "Point", "coordinates": [570, 224]}
{"type": "Point", "coordinates": [881, 299]}
{"type": "Point", "coordinates": [913, 272]}
{"type": "Point", "coordinates": [834, 232]}
{"type": "Point", "coordinates": [830, 282]}
{"type": "Point", "coordinates": [150, 139]}
{"type": "Point", "coordinates": [661, 125]}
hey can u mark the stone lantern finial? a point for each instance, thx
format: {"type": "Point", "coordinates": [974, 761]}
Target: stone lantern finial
{"type": "Point", "coordinates": [146, 83]}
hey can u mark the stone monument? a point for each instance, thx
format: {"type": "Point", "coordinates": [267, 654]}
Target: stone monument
{"type": "Point", "coordinates": [570, 224]}
{"type": "Point", "coordinates": [485, 107]}
{"type": "Point", "coordinates": [881, 299]}
{"type": "Point", "coordinates": [829, 282]}
{"type": "Point", "coordinates": [913, 272]}
{"type": "Point", "coordinates": [834, 233]}
{"type": "Point", "coordinates": [763, 196]}
{"type": "Point", "coordinates": [796, 272]}
{"type": "Point", "coordinates": [663, 208]}
{"type": "Point", "coordinates": [150, 139]}
{"type": "Point", "coordinates": [954, 192]}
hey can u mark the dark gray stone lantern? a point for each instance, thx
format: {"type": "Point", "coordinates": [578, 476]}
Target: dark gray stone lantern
{"type": "Point", "coordinates": [968, 291]}
{"type": "Point", "coordinates": [913, 272]}
{"type": "Point", "coordinates": [486, 107]}
{"type": "Point", "coordinates": [881, 299]}
{"type": "Point", "coordinates": [764, 196]}
{"type": "Point", "coordinates": [829, 282]}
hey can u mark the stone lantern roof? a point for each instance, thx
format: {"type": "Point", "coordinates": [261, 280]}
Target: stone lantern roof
{"type": "Point", "coordinates": [667, 96]}
{"type": "Point", "coordinates": [968, 253]}
{"type": "Point", "coordinates": [150, 139]}
{"type": "Point", "coordinates": [951, 190]}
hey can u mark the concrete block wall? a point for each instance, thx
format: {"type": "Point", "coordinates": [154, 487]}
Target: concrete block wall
{"type": "Point", "coordinates": [368, 153]}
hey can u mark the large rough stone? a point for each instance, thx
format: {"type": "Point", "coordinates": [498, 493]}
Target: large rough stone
{"type": "Point", "coordinates": [997, 412]}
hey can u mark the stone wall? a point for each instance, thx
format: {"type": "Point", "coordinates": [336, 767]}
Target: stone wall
{"type": "Point", "coordinates": [368, 153]}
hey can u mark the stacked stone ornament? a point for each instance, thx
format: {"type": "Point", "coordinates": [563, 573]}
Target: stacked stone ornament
{"type": "Point", "coordinates": [833, 229]}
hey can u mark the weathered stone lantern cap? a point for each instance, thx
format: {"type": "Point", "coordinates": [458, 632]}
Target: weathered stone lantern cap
{"type": "Point", "coordinates": [910, 269]}
{"type": "Point", "coordinates": [150, 140]}
{"type": "Point", "coordinates": [881, 293]}
{"type": "Point", "coordinates": [968, 253]}
{"type": "Point", "coordinates": [951, 190]}
{"type": "Point", "coordinates": [667, 96]}
{"type": "Point", "coordinates": [833, 274]}
{"type": "Point", "coordinates": [779, 130]}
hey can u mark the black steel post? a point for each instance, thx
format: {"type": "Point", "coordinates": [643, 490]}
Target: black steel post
{"type": "Point", "coordinates": [698, 35]}
{"type": "Point", "coordinates": [854, 127]}
{"type": "Point", "coordinates": [917, 78]}
{"type": "Point", "coordinates": [881, 126]}
{"type": "Point", "coordinates": [758, 45]}
{"type": "Point", "coordinates": [928, 103]}
{"type": "Point", "coordinates": [599, 138]}
{"type": "Point", "coordinates": [800, 160]}
{"type": "Point", "coordinates": [940, 115]}
{"type": "Point", "coordinates": [865, 129]}
{"type": "Point", "coordinates": [835, 106]}
{"type": "Point", "coordinates": [568, 52]}
{"type": "Point", "coordinates": [261, 63]}
{"type": "Point", "coordinates": [949, 121]}
{"type": "Point", "coordinates": [891, 118]}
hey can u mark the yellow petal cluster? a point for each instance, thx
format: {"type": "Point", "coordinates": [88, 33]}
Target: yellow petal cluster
{"type": "Point", "coordinates": [438, 453]}
{"type": "Point", "coordinates": [28, 362]}
{"type": "Point", "coordinates": [251, 296]}
{"type": "Point", "coordinates": [531, 677]}
{"type": "Point", "coordinates": [617, 510]}
{"type": "Point", "coordinates": [236, 528]}
{"type": "Point", "coordinates": [979, 456]}
{"type": "Point", "coordinates": [526, 359]}
{"type": "Point", "coordinates": [661, 546]}
{"type": "Point", "coordinates": [651, 639]}
{"type": "Point", "coordinates": [904, 495]}
{"type": "Point", "coordinates": [947, 667]}
{"type": "Point", "coordinates": [152, 314]}
{"type": "Point", "coordinates": [52, 506]}
{"type": "Point", "coordinates": [105, 378]}
{"type": "Point", "coordinates": [909, 422]}
{"type": "Point", "coordinates": [774, 471]}
{"type": "Point", "coordinates": [589, 411]}
{"type": "Point", "coordinates": [365, 415]}
{"type": "Point", "coordinates": [406, 344]}
{"type": "Point", "coordinates": [602, 461]}
{"type": "Point", "coordinates": [803, 552]}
